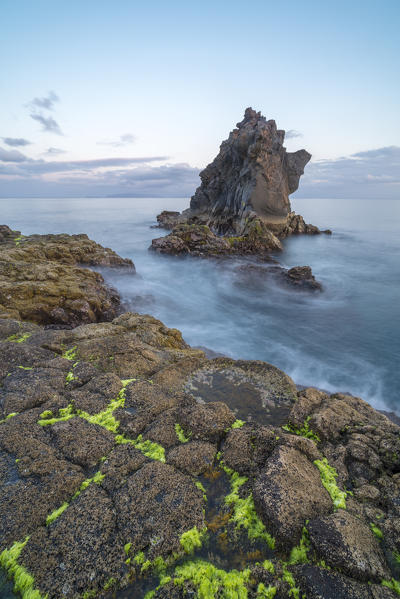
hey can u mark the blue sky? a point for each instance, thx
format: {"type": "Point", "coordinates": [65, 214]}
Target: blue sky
{"type": "Point", "coordinates": [136, 97]}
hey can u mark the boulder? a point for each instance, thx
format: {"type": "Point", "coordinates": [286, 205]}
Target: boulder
{"type": "Point", "coordinates": [287, 493]}
{"type": "Point", "coordinates": [347, 544]}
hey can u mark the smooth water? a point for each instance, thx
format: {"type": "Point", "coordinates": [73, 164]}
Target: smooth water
{"type": "Point", "coordinates": [345, 339]}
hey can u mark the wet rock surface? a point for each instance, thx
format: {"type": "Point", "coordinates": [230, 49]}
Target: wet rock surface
{"type": "Point", "coordinates": [42, 279]}
{"type": "Point", "coordinates": [127, 456]}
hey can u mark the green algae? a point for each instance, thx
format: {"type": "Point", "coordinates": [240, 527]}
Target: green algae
{"type": "Point", "coordinates": [11, 415]}
{"type": "Point", "coordinates": [376, 530]}
{"type": "Point", "coordinates": [56, 513]}
{"type": "Point", "coordinates": [19, 337]}
{"type": "Point", "coordinates": [96, 479]}
{"type": "Point", "coordinates": [181, 435]}
{"type": "Point", "coordinates": [139, 558]}
{"type": "Point", "coordinates": [298, 555]}
{"type": "Point", "coordinates": [244, 512]}
{"type": "Point", "coordinates": [269, 566]}
{"type": "Point", "coordinates": [24, 583]}
{"type": "Point", "coordinates": [238, 424]}
{"type": "Point", "coordinates": [64, 415]}
{"type": "Point", "coordinates": [191, 540]}
{"type": "Point", "coordinates": [266, 592]}
{"type": "Point", "coordinates": [70, 354]}
{"type": "Point", "coordinates": [46, 414]}
{"type": "Point", "coordinates": [127, 548]}
{"type": "Point", "coordinates": [200, 486]}
{"type": "Point", "coordinates": [328, 479]}
{"type": "Point", "coordinates": [392, 584]}
{"type": "Point", "coordinates": [70, 377]}
{"type": "Point", "coordinates": [304, 431]}
{"type": "Point", "coordinates": [211, 582]}
{"type": "Point", "coordinates": [25, 367]}
{"type": "Point", "coordinates": [148, 448]}
{"type": "Point", "coordinates": [106, 417]}
{"type": "Point", "coordinates": [109, 583]}
{"type": "Point", "coordinates": [289, 579]}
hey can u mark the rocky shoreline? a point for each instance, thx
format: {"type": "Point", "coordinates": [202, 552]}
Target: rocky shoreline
{"type": "Point", "coordinates": [45, 279]}
{"type": "Point", "coordinates": [134, 466]}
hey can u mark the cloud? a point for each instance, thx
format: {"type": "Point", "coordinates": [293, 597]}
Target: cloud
{"type": "Point", "coordinates": [106, 176]}
{"type": "Point", "coordinates": [123, 140]}
{"type": "Point", "coordinates": [12, 156]}
{"type": "Point", "coordinates": [54, 151]}
{"type": "Point", "coordinates": [15, 141]}
{"type": "Point", "coordinates": [372, 173]}
{"type": "Point", "coordinates": [46, 103]}
{"type": "Point", "coordinates": [292, 133]}
{"type": "Point", "coordinates": [48, 123]}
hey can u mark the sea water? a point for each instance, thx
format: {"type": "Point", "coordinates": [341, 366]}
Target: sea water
{"type": "Point", "coordinates": [346, 338]}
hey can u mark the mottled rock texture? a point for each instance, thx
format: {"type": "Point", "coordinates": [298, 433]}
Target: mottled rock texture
{"type": "Point", "coordinates": [117, 439]}
{"type": "Point", "coordinates": [42, 279]}
{"type": "Point", "coordinates": [131, 463]}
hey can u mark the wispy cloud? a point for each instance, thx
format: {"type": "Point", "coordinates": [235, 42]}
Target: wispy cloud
{"type": "Point", "coordinates": [48, 123]}
{"type": "Point", "coordinates": [371, 173]}
{"type": "Point", "coordinates": [54, 151]}
{"type": "Point", "coordinates": [292, 133]}
{"type": "Point", "coordinates": [37, 105]}
{"type": "Point", "coordinates": [12, 156]}
{"type": "Point", "coordinates": [27, 166]}
{"type": "Point", "coordinates": [136, 176]}
{"type": "Point", "coordinates": [123, 140]}
{"type": "Point", "coordinates": [47, 102]}
{"type": "Point", "coordinates": [16, 142]}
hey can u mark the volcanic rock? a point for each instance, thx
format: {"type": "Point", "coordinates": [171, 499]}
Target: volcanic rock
{"type": "Point", "coordinates": [249, 181]}
{"type": "Point", "coordinates": [113, 434]}
{"type": "Point", "coordinates": [42, 280]}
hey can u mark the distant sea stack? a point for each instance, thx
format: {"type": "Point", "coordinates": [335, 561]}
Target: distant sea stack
{"type": "Point", "coordinates": [245, 190]}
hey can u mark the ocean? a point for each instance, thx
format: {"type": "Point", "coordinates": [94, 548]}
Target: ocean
{"type": "Point", "coordinates": [346, 338]}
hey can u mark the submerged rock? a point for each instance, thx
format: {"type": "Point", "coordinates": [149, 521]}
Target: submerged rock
{"type": "Point", "coordinates": [42, 279]}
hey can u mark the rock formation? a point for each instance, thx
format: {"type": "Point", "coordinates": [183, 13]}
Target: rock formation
{"type": "Point", "coordinates": [246, 189]}
{"type": "Point", "coordinates": [252, 173]}
{"type": "Point", "coordinates": [42, 279]}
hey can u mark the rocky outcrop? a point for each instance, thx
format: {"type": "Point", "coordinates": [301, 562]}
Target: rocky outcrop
{"type": "Point", "coordinates": [129, 460]}
{"type": "Point", "coordinates": [253, 172]}
{"type": "Point", "coordinates": [252, 176]}
{"type": "Point", "coordinates": [200, 241]}
{"type": "Point", "coordinates": [42, 279]}
{"type": "Point", "coordinates": [243, 198]}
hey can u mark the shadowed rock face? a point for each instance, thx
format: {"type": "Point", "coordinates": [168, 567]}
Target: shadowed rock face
{"type": "Point", "coordinates": [252, 173]}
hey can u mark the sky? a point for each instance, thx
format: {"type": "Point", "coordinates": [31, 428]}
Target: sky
{"type": "Point", "coordinates": [128, 97]}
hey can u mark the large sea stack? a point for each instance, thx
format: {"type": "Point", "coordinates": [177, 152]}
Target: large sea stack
{"type": "Point", "coordinates": [253, 172]}
{"type": "Point", "coordinates": [244, 192]}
